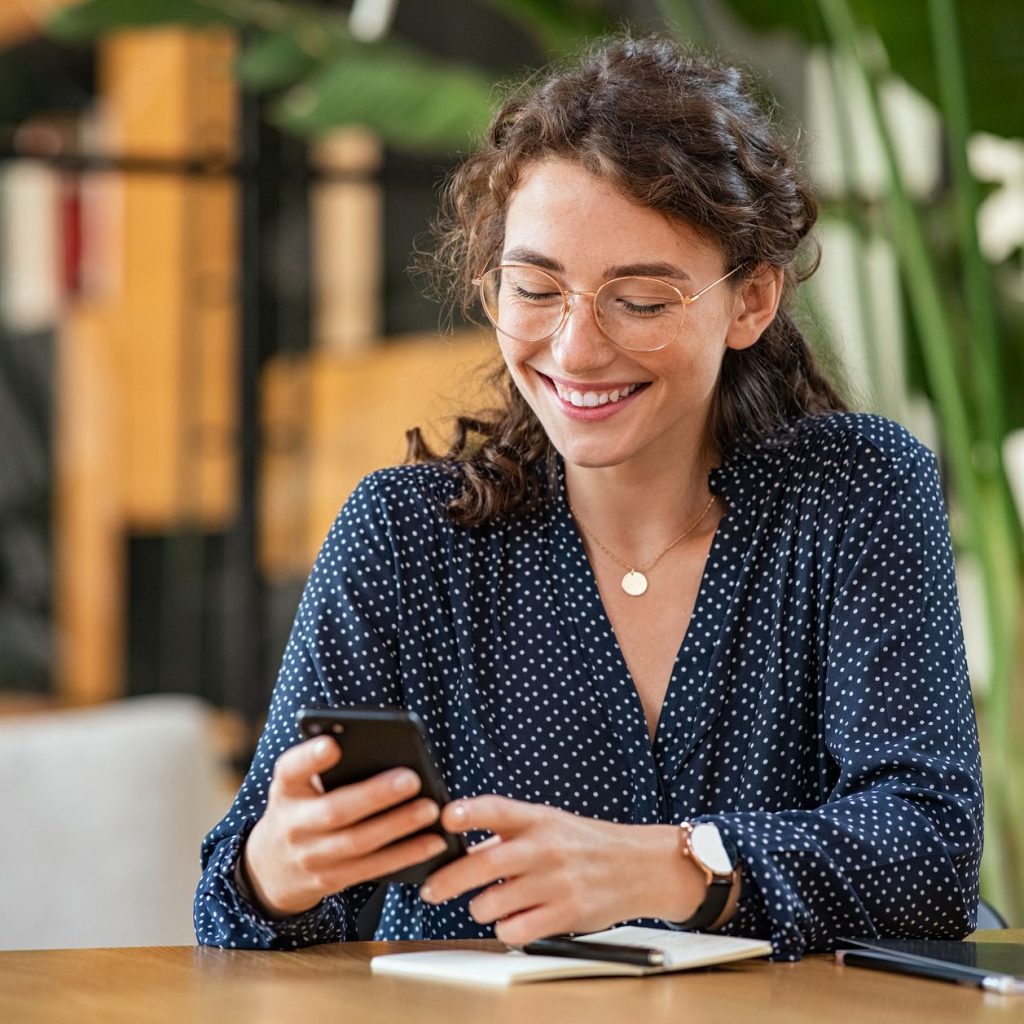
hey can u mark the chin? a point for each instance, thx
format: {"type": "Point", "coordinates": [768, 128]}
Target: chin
{"type": "Point", "coordinates": [589, 456]}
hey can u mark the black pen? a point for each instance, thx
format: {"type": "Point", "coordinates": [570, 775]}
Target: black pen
{"type": "Point", "coordinates": [1006, 984]}
{"type": "Point", "coordinates": [557, 945]}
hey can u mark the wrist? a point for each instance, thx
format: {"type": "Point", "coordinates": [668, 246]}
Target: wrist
{"type": "Point", "coordinates": [251, 873]}
{"type": "Point", "coordinates": [671, 887]}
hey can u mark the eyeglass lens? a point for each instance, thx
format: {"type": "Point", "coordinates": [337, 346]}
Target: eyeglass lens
{"type": "Point", "coordinates": [528, 304]}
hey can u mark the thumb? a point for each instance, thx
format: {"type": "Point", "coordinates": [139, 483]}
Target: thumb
{"type": "Point", "coordinates": [297, 771]}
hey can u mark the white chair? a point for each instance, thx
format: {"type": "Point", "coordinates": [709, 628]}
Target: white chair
{"type": "Point", "coordinates": [102, 811]}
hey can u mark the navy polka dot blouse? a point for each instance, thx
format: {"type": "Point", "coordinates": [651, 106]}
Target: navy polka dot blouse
{"type": "Point", "coordinates": [819, 710]}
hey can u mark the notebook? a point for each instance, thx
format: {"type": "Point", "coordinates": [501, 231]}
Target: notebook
{"type": "Point", "coordinates": [682, 951]}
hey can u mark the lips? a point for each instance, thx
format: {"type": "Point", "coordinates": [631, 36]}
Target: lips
{"type": "Point", "coordinates": [590, 396]}
{"type": "Point", "coordinates": [595, 401]}
{"type": "Point", "coordinates": [586, 399]}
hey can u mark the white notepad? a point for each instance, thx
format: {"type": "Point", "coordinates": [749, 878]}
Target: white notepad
{"type": "Point", "coordinates": [682, 950]}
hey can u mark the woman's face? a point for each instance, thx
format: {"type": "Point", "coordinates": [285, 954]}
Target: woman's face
{"type": "Point", "coordinates": [576, 226]}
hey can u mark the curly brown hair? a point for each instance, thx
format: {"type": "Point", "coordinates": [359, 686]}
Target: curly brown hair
{"type": "Point", "coordinates": [674, 131]}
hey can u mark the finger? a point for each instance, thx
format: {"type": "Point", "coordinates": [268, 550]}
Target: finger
{"type": "Point", "coordinates": [496, 814]}
{"type": "Point", "coordinates": [506, 859]}
{"type": "Point", "coordinates": [507, 899]}
{"type": "Point", "coordinates": [347, 805]}
{"type": "Point", "coordinates": [391, 859]}
{"type": "Point", "coordinates": [296, 768]}
{"type": "Point", "coordinates": [330, 850]}
{"type": "Point", "coordinates": [530, 925]}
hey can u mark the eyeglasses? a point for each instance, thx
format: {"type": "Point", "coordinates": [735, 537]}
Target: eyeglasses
{"type": "Point", "coordinates": [640, 314]}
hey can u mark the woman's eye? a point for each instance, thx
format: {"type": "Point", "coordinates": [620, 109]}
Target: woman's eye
{"type": "Point", "coordinates": [643, 309]}
{"type": "Point", "coordinates": [522, 293]}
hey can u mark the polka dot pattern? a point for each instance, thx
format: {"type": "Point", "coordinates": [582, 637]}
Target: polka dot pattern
{"type": "Point", "coordinates": [818, 712]}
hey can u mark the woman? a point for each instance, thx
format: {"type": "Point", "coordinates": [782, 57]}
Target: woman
{"type": "Point", "coordinates": [683, 631]}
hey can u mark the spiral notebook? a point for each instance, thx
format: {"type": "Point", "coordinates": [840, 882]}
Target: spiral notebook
{"type": "Point", "coordinates": [682, 951]}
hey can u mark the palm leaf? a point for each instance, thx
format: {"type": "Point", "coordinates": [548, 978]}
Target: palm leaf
{"type": "Point", "coordinates": [559, 26]}
{"type": "Point", "coordinates": [93, 18]}
{"type": "Point", "coordinates": [991, 38]}
{"type": "Point", "coordinates": [411, 101]}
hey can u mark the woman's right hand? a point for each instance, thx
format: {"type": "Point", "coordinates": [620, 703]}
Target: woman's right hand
{"type": "Point", "coordinates": [310, 844]}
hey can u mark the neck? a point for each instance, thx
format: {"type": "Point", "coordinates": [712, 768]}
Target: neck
{"type": "Point", "coordinates": [634, 512]}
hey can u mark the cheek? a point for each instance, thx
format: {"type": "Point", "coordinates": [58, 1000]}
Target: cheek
{"type": "Point", "coordinates": [690, 376]}
{"type": "Point", "coordinates": [703, 347]}
{"type": "Point", "coordinates": [514, 356]}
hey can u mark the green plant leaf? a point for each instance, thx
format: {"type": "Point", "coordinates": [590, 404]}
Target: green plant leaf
{"type": "Point", "coordinates": [412, 102]}
{"type": "Point", "coordinates": [991, 34]}
{"type": "Point", "coordinates": [275, 60]}
{"type": "Point", "coordinates": [560, 26]}
{"type": "Point", "coordinates": [683, 20]}
{"type": "Point", "coordinates": [95, 17]}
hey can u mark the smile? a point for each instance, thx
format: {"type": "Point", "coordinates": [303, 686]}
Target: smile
{"type": "Point", "coordinates": [592, 399]}
{"type": "Point", "coordinates": [599, 401]}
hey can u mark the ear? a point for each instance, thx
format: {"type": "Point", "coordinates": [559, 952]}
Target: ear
{"type": "Point", "coordinates": [756, 301]}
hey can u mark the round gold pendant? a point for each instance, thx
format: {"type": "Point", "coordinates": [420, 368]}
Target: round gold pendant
{"type": "Point", "coordinates": [634, 583]}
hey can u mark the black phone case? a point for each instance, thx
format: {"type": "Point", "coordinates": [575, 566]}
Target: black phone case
{"type": "Point", "coordinates": [374, 740]}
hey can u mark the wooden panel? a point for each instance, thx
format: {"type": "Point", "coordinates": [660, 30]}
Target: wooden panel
{"type": "Point", "coordinates": [149, 324]}
{"type": "Point", "coordinates": [211, 340]}
{"type": "Point", "coordinates": [169, 94]}
{"type": "Point", "coordinates": [89, 553]}
{"type": "Point", "coordinates": [147, 403]}
{"type": "Point", "coordinates": [330, 420]}
{"type": "Point", "coordinates": [176, 330]}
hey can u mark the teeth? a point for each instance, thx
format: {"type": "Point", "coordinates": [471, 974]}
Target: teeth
{"type": "Point", "coordinates": [592, 399]}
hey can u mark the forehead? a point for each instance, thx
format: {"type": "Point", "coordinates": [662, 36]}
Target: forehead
{"type": "Point", "coordinates": [578, 218]}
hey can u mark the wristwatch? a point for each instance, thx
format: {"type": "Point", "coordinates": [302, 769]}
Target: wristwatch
{"type": "Point", "coordinates": [702, 843]}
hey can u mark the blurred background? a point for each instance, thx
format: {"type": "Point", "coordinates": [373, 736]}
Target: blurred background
{"type": "Point", "coordinates": [208, 334]}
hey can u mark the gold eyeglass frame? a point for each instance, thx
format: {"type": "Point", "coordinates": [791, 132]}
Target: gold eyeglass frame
{"type": "Point", "coordinates": [685, 300]}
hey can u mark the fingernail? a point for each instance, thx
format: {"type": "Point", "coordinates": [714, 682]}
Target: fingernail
{"type": "Point", "coordinates": [403, 780]}
{"type": "Point", "coordinates": [323, 747]}
{"type": "Point", "coordinates": [458, 811]}
{"type": "Point", "coordinates": [427, 893]}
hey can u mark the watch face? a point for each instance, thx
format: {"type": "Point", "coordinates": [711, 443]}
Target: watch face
{"type": "Point", "coordinates": [706, 843]}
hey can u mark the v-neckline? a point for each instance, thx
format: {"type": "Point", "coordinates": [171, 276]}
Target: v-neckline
{"type": "Point", "coordinates": [692, 698]}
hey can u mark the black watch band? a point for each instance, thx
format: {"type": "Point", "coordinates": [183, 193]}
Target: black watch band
{"type": "Point", "coordinates": [711, 909]}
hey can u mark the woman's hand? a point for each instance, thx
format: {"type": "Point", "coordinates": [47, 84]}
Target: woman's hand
{"type": "Point", "coordinates": [310, 844]}
{"type": "Point", "coordinates": [545, 871]}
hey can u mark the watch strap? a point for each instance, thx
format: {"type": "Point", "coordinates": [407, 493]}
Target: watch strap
{"type": "Point", "coordinates": [711, 909]}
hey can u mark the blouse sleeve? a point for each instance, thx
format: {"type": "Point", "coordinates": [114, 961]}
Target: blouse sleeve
{"type": "Point", "coordinates": [895, 849]}
{"type": "Point", "coordinates": [343, 649]}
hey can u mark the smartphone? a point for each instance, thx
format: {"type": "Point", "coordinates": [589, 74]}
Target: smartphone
{"type": "Point", "coordinates": [374, 740]}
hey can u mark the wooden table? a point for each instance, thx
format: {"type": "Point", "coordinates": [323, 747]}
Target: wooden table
{"type": "Point", "coordinates": [182, 984]}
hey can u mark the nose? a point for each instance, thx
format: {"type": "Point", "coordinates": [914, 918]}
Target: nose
{"type": "Point", "coordinates": [579, 344]}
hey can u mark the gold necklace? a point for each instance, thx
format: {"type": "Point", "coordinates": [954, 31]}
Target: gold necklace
{"type": "Point", "coordinates": [634, 582]}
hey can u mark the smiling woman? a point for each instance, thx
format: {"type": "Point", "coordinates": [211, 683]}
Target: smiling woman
{"type": "Point", "coordinates": [763, 725]}
{"type": "Point", "coordinates": [666, 350]}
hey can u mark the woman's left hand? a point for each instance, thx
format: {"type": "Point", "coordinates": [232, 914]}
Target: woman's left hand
{"type": "Point", "coordinates": [546, 871]}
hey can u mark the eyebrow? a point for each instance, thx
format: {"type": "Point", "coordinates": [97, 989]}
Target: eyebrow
{"type": "Point", "coordinates": [522, 254]}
